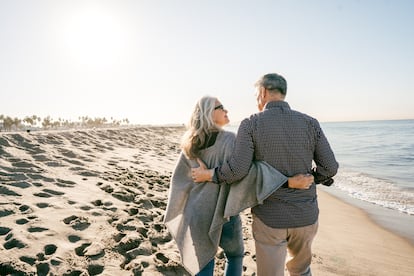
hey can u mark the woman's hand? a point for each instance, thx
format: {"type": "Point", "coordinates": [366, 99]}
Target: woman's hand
{"type": "Point", "coordinates": [300, 181]}
{"type": "Point", "coordinates": [201, 174]}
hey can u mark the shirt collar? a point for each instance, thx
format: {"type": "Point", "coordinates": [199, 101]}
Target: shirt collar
{"type": "Point", "coordinates": [277, 104]}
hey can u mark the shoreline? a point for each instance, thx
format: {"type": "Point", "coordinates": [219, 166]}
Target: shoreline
{"type": "Point", "coordinates": [354, 244]}
{"type": "Point", "coordinates": [399, 223]}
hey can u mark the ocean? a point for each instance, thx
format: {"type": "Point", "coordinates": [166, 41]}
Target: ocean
{"type": "Point", "coordinates": [376, 161]}
{"type": "Point", "coordinates": [376, 169]}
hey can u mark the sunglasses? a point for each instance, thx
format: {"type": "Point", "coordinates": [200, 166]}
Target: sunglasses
{"type": "Point", "coordinates": [219, 107]}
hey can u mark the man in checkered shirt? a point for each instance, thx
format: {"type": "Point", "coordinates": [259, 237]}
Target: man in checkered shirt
{"type": "Point", "coordinates": [290, 141]}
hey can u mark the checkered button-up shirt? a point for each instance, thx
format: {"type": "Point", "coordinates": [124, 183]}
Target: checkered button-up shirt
{"type": "Point", "coordinates": [289, 141]}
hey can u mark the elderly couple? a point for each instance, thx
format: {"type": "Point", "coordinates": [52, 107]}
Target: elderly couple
{"type": "Point", "coordinates": [269, 166]}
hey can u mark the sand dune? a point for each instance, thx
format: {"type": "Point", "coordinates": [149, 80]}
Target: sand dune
{"type": "Point", "coordinates": [91, 202]}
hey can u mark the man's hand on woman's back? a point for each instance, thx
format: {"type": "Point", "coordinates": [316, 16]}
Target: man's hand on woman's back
{"type": "Point", "coordinates": [300, 181]}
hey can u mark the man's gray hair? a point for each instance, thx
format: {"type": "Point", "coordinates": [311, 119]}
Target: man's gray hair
{"type": "Point", "coordinates": [273, 82]}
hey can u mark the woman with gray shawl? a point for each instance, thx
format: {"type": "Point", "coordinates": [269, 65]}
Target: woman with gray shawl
{"type": "Point", "coordinates": [203, 216]}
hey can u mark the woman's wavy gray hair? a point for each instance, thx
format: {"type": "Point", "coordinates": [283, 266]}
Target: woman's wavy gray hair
{"type": "Point", "coordinates": [201, 124]}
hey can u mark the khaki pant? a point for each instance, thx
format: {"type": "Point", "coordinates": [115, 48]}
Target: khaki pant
{"type": "Point", "coordinates": [273, 243]}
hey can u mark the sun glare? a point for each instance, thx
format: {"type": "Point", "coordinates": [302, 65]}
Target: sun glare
{"type": "Point", "coordinates": [94, 38]}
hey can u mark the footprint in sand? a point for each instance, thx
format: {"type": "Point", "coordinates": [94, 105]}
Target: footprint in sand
{"type": "Point", "coordinates": [4, 142]}
{"type": "Point", "coordinates": [77, 223]}
{"type": "Point", "coordinates": [37, 184]}
{"type": "Point", "coordinates": [4, 213]}
{"type": "Point", "coordinates": [85, 207]}
{"type": "Point", "coordinates": [25, 209]}
{"type": "Point", "coordinates": [113, 162]}
{"type": "Point", "coordinates": [146, 204]}
{"type": "Point", "coordinates": [14, 243]}
{"type": "Point", "coordinates": [54, 164]}
{"type": "Point", "coordinates": [73, 161]}
{"type": "Point", "coordinates": [48, 193]}
{"type": "Point", "coordinates": [81, 171]}
{"type": "Point", "coordinates": [160, 256]}
{"type": "Point", "coordinates": [28, 260]}
{"type": "Point", "coordinates": [17, 177]}
{"type": "Point", "coordinates": [44, 195]}
{"type": "Point", "coordinates": [97, 202]}
{"type": "Point", "coordinates": [41, 158]}
{"type": "Point", "coordinates": [168, 266]}
{"type": "Point", "coordinates": [107, 189]}
{"type": "Point", "coordinates": [42, 269]}
{"type": "Point", "coordinates": [50, 249]}
{"type": "Point", "coordinates": [65, 183]}
{"type": "Point", "coordinates": [94, 251]}
{"type": "Point", "coordinates": [4, 230]}
{"type": "Point", "coordinates": [132, 246]}
{"type": "Point", "coordinates": [80, 250]}
{"type": "Point", "coordinates": [22, 221]}
{"type": "Point", "coordinates": [68, 153]}
{"type": "Point", "coordinates": [21, 184]}
{"type": "Point", "coordinates": [18, 163]}
{"type": "Point", "coordinates": [125, 227]}
{"type": "Point", "coordinates": [158, 234]}
{"type": "Point", "coordinates": [42, 205]}
{"type": "Point", "coordinates": [95, 269]}
{"type": "Point", "coordinates": [74, 238]}
{"type": "Point", "coordinates": [34, 176]}
{"type": "Point", "coordinates": [8, 192]}
{"type": "Point", "coordinates": [34, 229]}
{"type": "Point", "coordinates": [125, 196]}
{"type": "Point", "coordinates": [53, 192]}
{"type": "Point", "coordinates": [133, 211]}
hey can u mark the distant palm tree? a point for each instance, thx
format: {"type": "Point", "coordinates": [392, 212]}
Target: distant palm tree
{"type": "Point", "coordinates": [17, 122]}
{"type": "Point", "coordinates": [1, 121]}
{"type": "Point", "coordinates": [7, 123]}
{"type": "Point", "coordinates": [34, 120]}
{"type": "Point", "coordinates": [56, 124]}
{"type": "Point", "coordinates": [47, 122]}
{"type": "Point", "coordinates": [28, 120]}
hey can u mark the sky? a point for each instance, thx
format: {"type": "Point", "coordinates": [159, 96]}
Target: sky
{"type": "Point", "coordinates": [151, 60]}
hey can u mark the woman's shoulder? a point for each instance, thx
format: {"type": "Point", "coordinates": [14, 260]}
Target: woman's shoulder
{"type": "Point", "coordinates": [225, 134]}
{"type": "Point", "coordinates": [226, 137]}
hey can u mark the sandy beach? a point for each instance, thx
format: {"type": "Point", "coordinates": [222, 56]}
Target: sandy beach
{"type": "Point", "coordinates": [91, 202]}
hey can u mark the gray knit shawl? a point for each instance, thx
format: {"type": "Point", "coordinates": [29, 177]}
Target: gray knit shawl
{"type": "Point", "coordinates": [196, 212]}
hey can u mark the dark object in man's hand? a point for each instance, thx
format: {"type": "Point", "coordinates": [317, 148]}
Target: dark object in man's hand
{"type": "Point", "coordinates": [321, 179]}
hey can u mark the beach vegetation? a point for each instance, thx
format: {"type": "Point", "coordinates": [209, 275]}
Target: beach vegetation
{"type": "Point", "coordinates": [35, 122]}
